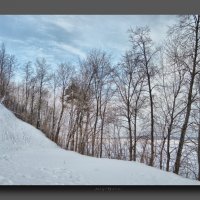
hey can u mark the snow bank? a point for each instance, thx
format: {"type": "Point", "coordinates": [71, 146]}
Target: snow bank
{"type": "Point", "coordinates": [17, 135]}
{"type": "Point", "coordinates": [29, 158]}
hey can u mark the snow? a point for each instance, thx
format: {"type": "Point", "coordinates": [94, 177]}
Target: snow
{"type": "Point", "coordinates": [29, 158]}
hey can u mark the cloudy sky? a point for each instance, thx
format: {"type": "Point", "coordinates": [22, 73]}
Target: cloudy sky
{"type": "Point", "coordinates": [61, 38]}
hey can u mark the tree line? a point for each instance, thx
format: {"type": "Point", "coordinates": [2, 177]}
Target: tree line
{"type": "Point", "coordinates": [145, 108]}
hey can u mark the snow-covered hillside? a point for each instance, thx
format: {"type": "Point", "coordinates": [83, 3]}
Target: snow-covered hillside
{"type": "Point", "coordinates": [27, 157]}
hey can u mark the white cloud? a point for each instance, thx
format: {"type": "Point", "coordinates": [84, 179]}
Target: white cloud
{"type": "Point", "coordinates": [70, 49]}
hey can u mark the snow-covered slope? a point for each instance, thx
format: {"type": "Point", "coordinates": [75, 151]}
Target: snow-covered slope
{"type": "Point", "coordinates": [27, 157]}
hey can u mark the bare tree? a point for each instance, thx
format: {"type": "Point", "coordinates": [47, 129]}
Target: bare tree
{"type": "Point", "coordinates": [143, 47]}
{"type": "Point", "coordinates": [64, 75]}
{"type": "Point", "coordinates": [33, 91]}
{"type": "Point", "coordinates": [43, 78]}
{"type": "Point", "coordinates": [55, 86]}
{"type": "Point", "coordinates": [27, 71]}
{"type": "Point", "coordinates": [99, 64]}
{"type": "Point", "coordinates": [172, 95]}
{"type": "Point", "coordinates": [129, 80]}
{"type": "Point", "coordinates": [7, 66]}
{"type": "Point", "coordinates": [188, 30]}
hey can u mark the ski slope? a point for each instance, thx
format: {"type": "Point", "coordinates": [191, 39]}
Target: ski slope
{"type": "Point", "coordinates": [27, 157]}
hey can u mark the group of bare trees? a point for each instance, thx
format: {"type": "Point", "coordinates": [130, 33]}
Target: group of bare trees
{"type": "Point", "coordinates": [7, 65]}
{"type": "Point", "coordinates": [146, 108]}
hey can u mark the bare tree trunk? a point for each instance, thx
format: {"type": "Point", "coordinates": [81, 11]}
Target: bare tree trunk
{"type": "Point", "coordinates": [161, 153]}
{"type": "Point", "coordinates": [168, 150]}
{"type": "Point", "coordinates": [95, 127]}
{"type": "Point", "coordinates": [70, 125]}
{"type": "Point", "coordinates": [39, 108]}
{"type": "Point", "coordinates": [53, 112]}
{"type": "Point", "coordinates": [135, 135]}
{"type": "Point", "coordinates": [151, 162]}
{"type": "Point", "coordinates": [199, 152]}
{"type": "Point", "coordinates": [59, 124]}
{"type": "Point", "coordinates": [129, 120]}
{"type": "Point", "coordinates": [71, 138]}
{"type": "Point", "coordinates": [130, 136]}
{"type": "Point", "coordinates": [32, 102]}
{"type": "Point", "coordinates": [78, 134]}
{"type": "Point", "coordinates": [86, 134]}
{"type": "Point", "coordinates": [135, 123]}
{"type": "Point", "coordinates": [101, 131]}
{"type": "Point", "coordinates": [81, 137]}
